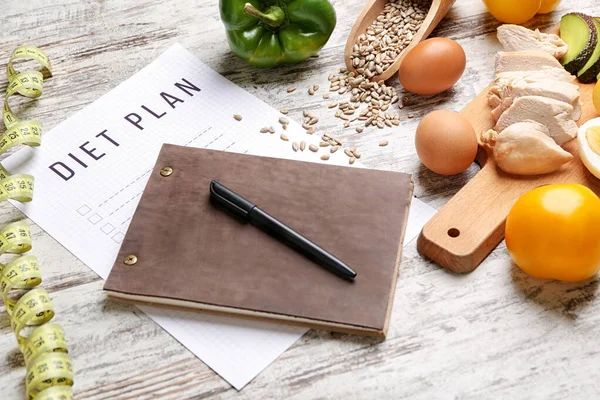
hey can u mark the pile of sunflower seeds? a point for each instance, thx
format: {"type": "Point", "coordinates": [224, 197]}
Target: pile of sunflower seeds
{"type": "Point", "coordinates": [390, 33]}
{"type": "Point", "coordinates": [377, 95]}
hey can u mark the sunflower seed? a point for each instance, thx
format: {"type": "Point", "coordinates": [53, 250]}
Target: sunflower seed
{"type": "Point", "coordinates": [351, 160]}
{"type": "Point", "coordinates": [264, 130]}
{"type": "Point", "coordinates": [356, 154]}
{"type": "Point", "coordinates": [313, 147]}
{"type": "Point", "coordinates": [348, 152]}
{"type": "Point", "coordinates": [237, 117]}
{"type": "Point", "coordinates": [290, 90]}
{"type": "Point", "coordinates": [295, 146]}
{"type": "Point", "coordinates": [325, 157]}
{"type": "Point", "coordinates": [284, 137]}
{"type": "Point", "coordinates": [284, 126]}
{"type": "Point", "coordinates": [283, 121]}
{"type": "Point", "coordinates": [323, 144]}
{"type": "Point", "coordinates": [383, 143]}
{"type": "Point", "coordinates": [302, 145]}
{"type": "Point", "coordinates": [283, 111]}
{"type": "Point", "coordinates": [310, 130]}
{"type": "Point", "coordinates": [360, 129]}
{"type": "Point", "coordinates": [271, 129]}
{"type": "Point", "coordinates": [333, 149]}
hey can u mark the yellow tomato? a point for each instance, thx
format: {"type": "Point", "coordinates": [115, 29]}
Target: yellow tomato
{"type": "Point", "coordinates": [548, 6]}
{"type": "Point", "coordinates": [597, 97]}
{"type": "Point", "coordinates": [554, 232]}
{"type": "Point", "coordinates": [513, 11]}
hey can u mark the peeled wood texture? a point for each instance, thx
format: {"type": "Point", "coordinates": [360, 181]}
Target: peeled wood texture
{"type": "Point", "coordinates": [471, 224]}
{"type": "Point", "coordinates": [492, 334]}
{"type": "Point", "coordinates": [437, 11]}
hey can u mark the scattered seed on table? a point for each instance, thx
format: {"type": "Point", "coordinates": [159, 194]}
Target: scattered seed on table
{"type": "Point", "coordinates": [332, 105]}
{"type": "Point", "coordinates": [283, 121]}
{"type": "Point", "coordinates": [395, 122]}
{"type": "Point", "coordinates": [295, 146]}
{"type": "Point", "coordinates": [302, 145]}
{"type": "Point", "coordinates": [284, 137]}
{"type": "Point", "coordinates": [346, 124]}
{"type": "Point", "coordinates": [313, 147]}
{"type": "Point", "coordinates": [356, 154]}
{"type": "Point", "coordinates": [323, 144]}
{"type": "Point", "coordinates": [311, 91]}
{"type": "Point", "coordinates": [283, 111]}
{"type": "Point", "coordinates": [305, 125]}
{"type": "Point", "coordinates": [334, 149]}
{"type": "Point", "coordinates": [271, 129]}
{"type": "Point", "coordinates": [326, 96]}
{"type": "Point", "coordinates": [351, 160]}
{"type": "Point", "coordinates": [348, 152]}
{"type": "Point", "coordinates": [315, 88]}
{"type": "Point", "coordinates": [311, 130]}
{"type": "Point", "coordinates": [383, 143]}
{"type": "Point", "coordinates": [411, 115]}
{"type": "Point", "coordinates": [265, 129]}
{"type": "Point", "coordinates": [290, 90]}
{"type": "Point", "coordinates": [237, 117]}
{"type": "Point", "coordinates": [360, 129]}
{"type": "Point", "coordinates": [313, 120]}
{"type": "Point", "coordinates": [284, 126]}
{"type": "Point", "coordinates": [338, 141]}
{"type": "Point", "coordinates": [325, 157]}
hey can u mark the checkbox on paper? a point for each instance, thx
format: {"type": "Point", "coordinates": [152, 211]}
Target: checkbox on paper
{"type": "Point", "coordinates": [83, 210]}
{"type": "Point", "coordinates": [95, 218]}
{"type": "Point", "coordinates": [108, 228]}
{"type": "Point", "coordinates": [118, 237]}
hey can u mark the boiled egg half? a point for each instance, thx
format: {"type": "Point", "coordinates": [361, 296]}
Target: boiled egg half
{"type": "Point", "coordinates": [589, 145]}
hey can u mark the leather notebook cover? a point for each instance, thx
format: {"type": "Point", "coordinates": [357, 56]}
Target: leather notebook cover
{"type": "Point", "coordinates": [192, 254]}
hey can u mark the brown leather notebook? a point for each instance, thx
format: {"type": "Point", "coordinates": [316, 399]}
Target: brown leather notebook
{"type": "Point", "coordinates": [192, 254]}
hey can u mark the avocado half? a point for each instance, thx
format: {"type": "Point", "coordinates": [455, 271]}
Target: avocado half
{"type": "Point", "coordinates": [591, 70]}
{"type": "Point", "coordinates": [581, 35]}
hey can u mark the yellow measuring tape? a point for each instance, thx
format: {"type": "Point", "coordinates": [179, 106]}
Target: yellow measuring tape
{"type": "Point", "coordinates": [49, 369]}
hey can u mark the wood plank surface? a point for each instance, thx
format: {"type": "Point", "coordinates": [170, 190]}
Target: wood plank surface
{"type": "Point", "coordinates": [494, 333]}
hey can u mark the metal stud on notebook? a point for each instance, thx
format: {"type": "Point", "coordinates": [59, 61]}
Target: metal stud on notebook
{"type": "Point", "coordinates": [130, 259]}
{"type": "Point", "coordinates": [166, 171]}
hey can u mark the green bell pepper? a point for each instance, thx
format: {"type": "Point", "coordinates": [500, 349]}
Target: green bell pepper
{"type": "Point", "coordinates": [266, 33]}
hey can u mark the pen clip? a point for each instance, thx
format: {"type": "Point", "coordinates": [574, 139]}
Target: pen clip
{"type": "Point", "coordinates": [217, 197]}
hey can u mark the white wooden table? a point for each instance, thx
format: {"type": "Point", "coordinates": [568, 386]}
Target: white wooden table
{"type": "Point", "coordinates": [495, 333]}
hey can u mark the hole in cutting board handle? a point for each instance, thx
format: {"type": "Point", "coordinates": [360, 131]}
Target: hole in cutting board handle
{"type": "Point", "coordinates": [453, 232]}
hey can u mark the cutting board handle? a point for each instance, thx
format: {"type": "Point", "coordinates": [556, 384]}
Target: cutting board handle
{"type": "Point", "coordinates": [471, 224]}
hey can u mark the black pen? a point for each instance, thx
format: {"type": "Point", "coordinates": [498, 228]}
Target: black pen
{"type": "Point", "coordinates": [241, 207]}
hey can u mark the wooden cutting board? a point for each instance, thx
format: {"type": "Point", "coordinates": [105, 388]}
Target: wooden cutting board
{"type": "Point", "coordinates": [471, 224]}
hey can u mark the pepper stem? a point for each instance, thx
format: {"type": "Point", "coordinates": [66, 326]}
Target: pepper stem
{"type": "Point", "coordinates": [274, 16]}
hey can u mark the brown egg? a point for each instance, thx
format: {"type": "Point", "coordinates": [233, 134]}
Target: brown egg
{"type": "Point", "coordinates": [432, 66]}
{"type": "Point", "coordinates": [446, 142]}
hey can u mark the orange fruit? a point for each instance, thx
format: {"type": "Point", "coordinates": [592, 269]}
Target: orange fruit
{"type": "Point", "coordinates": [597, 97]}
{"type": "Point", "coordinates": [553, 232]}
{"type": "Point", "coordinates": [548, 6]}
{"type": "Point", "coordinates": [513, 11]}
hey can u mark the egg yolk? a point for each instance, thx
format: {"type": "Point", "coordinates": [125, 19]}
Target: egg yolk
{"type": "Point", "coordinates": [593, 138]}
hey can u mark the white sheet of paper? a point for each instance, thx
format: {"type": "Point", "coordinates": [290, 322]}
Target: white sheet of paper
{"type": "Point", "coordinates": [91, 170]}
